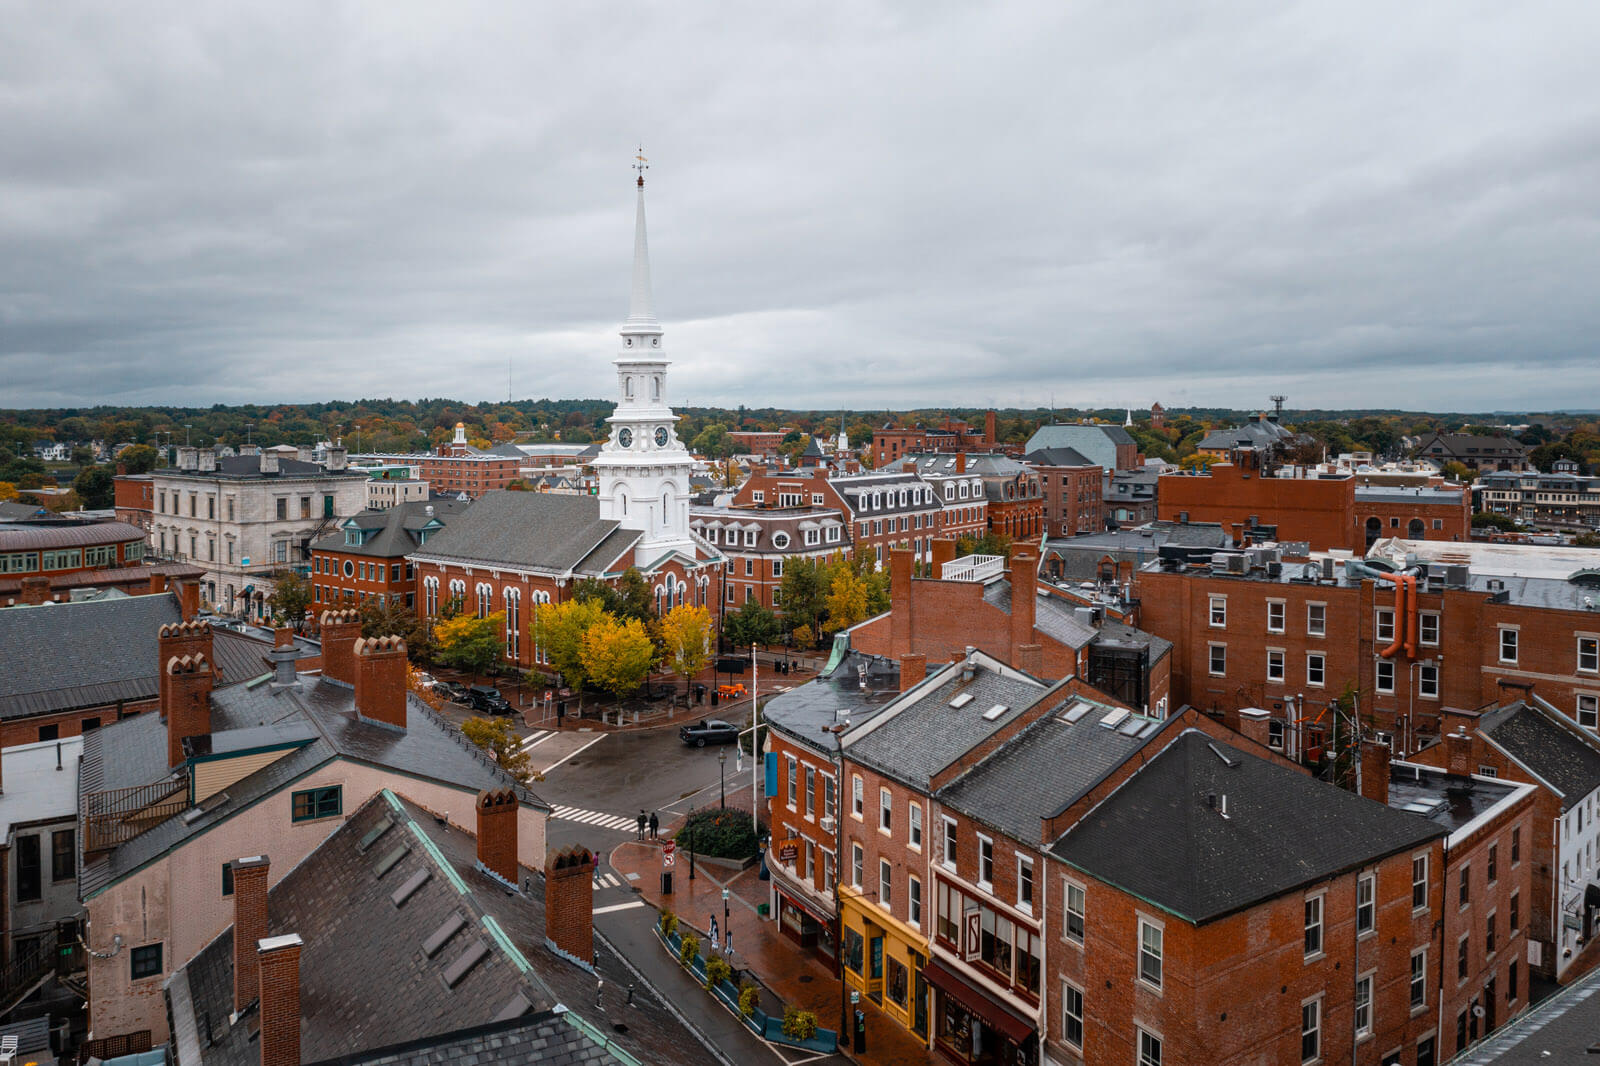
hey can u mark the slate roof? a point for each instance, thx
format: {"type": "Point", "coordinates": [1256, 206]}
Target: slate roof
{"type": "Point", "coordinates": [391, 532]}
{"type": "Point", "coordinates": [1046, 768]}
{"type": "Point", "coordinates": [533, 530]}
{"type": "Point", "coordinates": [429, 747]}
{"type": "Point", "coordinates": [1557, 1031]}
{"type": "Point", "coordinates": [33, 536]}
{"type": "Point", "coordinates": [366, 982]}
{"type": "Point", "coordinates": [550, 1038]}
{"type": "Point", "coordinates": [1051, 617]}
{"type": "Point", "coordinates": [1062, 456]}
{"type": "Point", "coordinates": [801, 712]}
{"type": "Point", "coordinates": [64, 655]}
{"type": "Point", "coordinates": [1556, 754]}
{"type": "Point", "coordinates": [1051, 436]}
{"type": "Point", "coordinates": [1283, 830]}
{"type": "Point", "coordinates": [920, 734]}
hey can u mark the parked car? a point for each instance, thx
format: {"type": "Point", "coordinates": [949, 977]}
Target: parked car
{"type": "Point", "coordinates": [487, 698]}
{"type": "Point", "coordinates": [451, 690]}
{"type": "Point", "coordinates": [426, 681]}
{"type": "Point", "coordinates": [708, 731]}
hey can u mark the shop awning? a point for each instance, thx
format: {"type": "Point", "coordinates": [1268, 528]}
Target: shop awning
{"type": "Point", "coordinates": [1014, 1026]}
{"type": "Point", "coordinates": [801, 904]}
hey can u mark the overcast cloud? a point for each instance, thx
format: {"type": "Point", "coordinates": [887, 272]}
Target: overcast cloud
{"type": "Point", "coordinates": [855, 204]}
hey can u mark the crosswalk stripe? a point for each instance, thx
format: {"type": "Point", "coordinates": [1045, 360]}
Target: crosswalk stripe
{"type": "Point", "coordinates": [601, 819]}
{"type": "Point", "coordinates": [535, 739]}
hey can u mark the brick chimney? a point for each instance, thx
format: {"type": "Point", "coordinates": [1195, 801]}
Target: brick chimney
{"type": "Point", "coordinates": [340, 631]}
{"type": "Point", "coordinates": [961, 462]}
{"type": "Point", "coordinates": [280, 999]}
{"type": "Point", "coordinates": [269, 465]}
{"type": "Point", "coordinates": [1029, 659]}
{"type": "Point", "coordinates": [900, 562]}
{"type": "Point", "coordinates": [1458, 752]}
{"type": "Point", "coordinates": [249, 926]}
{"type": "Point", "coordinates": [188, 702]}
{"type": "Point", "coordinates": [175, 640]}
{"type": "Point", "coordinates": [1375, 771]}
{"type": "Point", "coordinates": [380, 664]}
{"type": "Point", "coordinates": [569, 904]}
{"type": "Point", "coordinates": [943, 551]}
{"type": "Point", "coordinates": [1254, 725]}
{"type": "Point", "coordinates": [913, 668]}
{"type": "Point", "coordinates": [35, 590]}
{"type": "Point", "coordinates": [283, 637]}
{"type": "Point", "coordinates": [497, 833]}
{"type": "Point", "coordinates": [1024, 582]}
{"type": "Point", "coordinates": [989, 433]}
{"type": "Point", "coordinates": [188, 594]}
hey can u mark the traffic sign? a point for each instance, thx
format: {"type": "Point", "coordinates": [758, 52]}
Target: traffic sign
{"type": "Point", "coordinates": [669, 853]}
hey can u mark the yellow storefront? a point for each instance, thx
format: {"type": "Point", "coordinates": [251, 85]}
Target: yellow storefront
{"type": "Point", "coordinates": [883, 960]}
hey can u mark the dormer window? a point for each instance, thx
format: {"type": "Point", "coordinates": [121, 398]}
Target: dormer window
{"type": "Point", "coordinates": [352, 538]}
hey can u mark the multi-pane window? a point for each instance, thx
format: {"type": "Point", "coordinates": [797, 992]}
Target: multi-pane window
{"type": "Point", "coordinates": [1589, 655]}
{"type": "Point", "coordinates": [1385, 625]}
{"type": "Point", "coordinates": [1492, 869]}
{"type": "Point", "coordinates": [1366, 911]}
{"type": "Point", "coordinates": [1419, 979]}
{"type": "Point", "coordinates": [1311, 1031]}
{"type": "Point", "coordinates": [1219, 612]}
{"type": "Point", "coordinates": [1462, 950]}
{"type": "Point", "coordinates": [811, 791]}
{"type": "Point", "coordinates": [885, 809]}
{"type": "Point", "coordinates": [914, 901]}
{"type": "Point", "coordinates": [827, 796]}
{"type": "Point", "coordinates": [1024, 882]}
{"type": "Point", "coordinates": [1515, 917]}
{"type": "Point", "coordinates": [1150, 937]}
{"type": "Point", "coordinates": [1074, 912]}
{"type": "Point", "coordinates": [1313, 926]}
{"type": "Point", "coordinates": [1219, 659]}
{"type": "Point", "coordinates": [1508, 645]}
{"type": "Point", "coordinates": [1275, 611]}
{"type": "Point", "coordinates": [885, 882]}
{"type": "Point", "coordinates": [1316, 619]}
{"type": "Point", "coordinates": [63, 854]}
{"type": "Point", "coordinates": [950, 843]}
{"type": "Point", "coordinates": [316, 803]}
{"type": "Point", "coordinates": [1364, 1005]}
{"type": "Point", "coordinates": [855, 865]}
{"type": "Point", "coordinates": [1385, 676]}
{"type": "Point", "coordinates": [1149, 1049]}
{"type": "Point", "coordinates": [1274, 664]}
{"type": "Point", "coordinates": [1428, 681]}
{"type": "Point", "coordinates": [857, 800]}
{"type": "Point", "coordinates": [949, 905]}
{"type": "Point", "coordinates": [985, 861]}
{"type": "Point", "coordinates": [1588, 710]}
{"type": "Point", "coordinates": [145, 961]}
{"type": "Point", "coordinates": [1316, 668]}
{"type": "Point", "coordinates": [1516, 844]}
{"type": "Point", "coordinates": [790, 781]}
{"type": "Point", "coordinates": [1465, 889]}
{"type": "Point", "coordinates": [914, 824]}
{"type": "Point", "coordinates": [1072, 1015]}
{"type": "Point", "coordinates": [1428, 628]}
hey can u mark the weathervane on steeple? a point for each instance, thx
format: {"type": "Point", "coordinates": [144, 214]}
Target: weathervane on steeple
{"type": "Point", "coordinates": [641, 164]}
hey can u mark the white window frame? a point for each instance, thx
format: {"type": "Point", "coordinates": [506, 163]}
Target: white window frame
{"type": "Point", "coordinates": [1422, 882]}
{"type": "Point", "coordinates": [1586, 710]}
{"type": "Point", "coordinates": [1381, 684]}
{"type": "Point", "coordinates": [1070, 887]}
{"type": "Point", "coordinates": [1280, 608]}
{"type": "Point", "coordinates": [1212, 649]}
{"type": "Point", "coordinates": [1321, 629]}
{"type": "Point", "coordinates": [1067, 989]}
{"type": "Point", "coordinates": [985, 858]}
{"type": "Point", "coordinates": [1513, 632]}
{"type": "Point", "coordinates": [858, 859]}
{"type": "Point", "coordinates": [1383, 624]}
{"type": "Point", "coordinates": [1592, 643]}
{"type": "Point", "coordinates": [1317, 902]}
{"type": "Point", "coordinates": [1427, 681]}
{"type": "Point", "coordinates": [1428, 620]}
{"type": "Point", "coordinates": [1147, 1047]}
{"type": "Point", "coordinates": [885, 883]}
{"type": "Point", "coordinates": [914, 825]}
{"type": "Point", "coordinates": [948, 859]}
{"type": "Point", "coordinates": [914, 900]}
{"type": "Point", "coordinates": [1275, 665]}
{"type": "Point", "coordinates": [1363, 1006]}
{"type": "Point", "coordinates": [1367, 884]}
{"type": "Point", "coordinates": [1320, 659]}
{"type": "Point", "coordinates": [1417, 982]}
{"type": "Point", "coordinates": [1025, 866]}
{"type": "Point", "coordinates": [1314, 1031]}
{"type": "Point", "coordinates": [1217, 612]}
{"type": "Point", "coordinates": [857, 797]}
{"type": "Point", "coordinates": [885, 811]}
{"type": "Point", "coordinates": [1158, 933]}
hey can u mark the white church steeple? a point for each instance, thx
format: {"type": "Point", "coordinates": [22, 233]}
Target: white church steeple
{"type": "Point", "coordinates": [642, 468]}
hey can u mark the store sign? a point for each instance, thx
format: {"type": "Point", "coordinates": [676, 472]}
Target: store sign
{"type": "Point", "coordinates": [788, 850]}
{"type": "Point", "coordinates": [974, 934]}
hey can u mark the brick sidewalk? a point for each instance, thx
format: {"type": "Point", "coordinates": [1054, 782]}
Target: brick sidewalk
{"type": "Point", "coordinates": [792, 975]}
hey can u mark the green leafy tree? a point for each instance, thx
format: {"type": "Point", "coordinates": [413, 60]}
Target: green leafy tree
{"type": "Point", "coordinates": [686, 637]}
{"type": "Point", "coordinates": [991, 543]}
{"type": "Point", "coordinates": [291, 596]}
{"type": "Point", "coordinates": [1490, 520]}
{"type": "Point", "coordinates": [559, 629]}
{"type": "Point", "coordinates": [617, 654]}
{"type": "Point", "coordinates": [139, 459]}
{"type": "Point", "coordinates": [95, 487]}
{"type": "Point", "coordinates": [499, 737]}
{"type": "Point", "coordinates": [381, 618]}
{"type": "Point", "coordinates": [712, 441]}
{"type": "Point", "coordinates": [630, 597]}
{"type": "Point", "coordinates": [82, 456]}
{"type": "Point", "coordinates": [804, 593]}
{"type": "Point", "coordinates": [752, 624]}
{"type": "Point", "coordinates": [470, 643]}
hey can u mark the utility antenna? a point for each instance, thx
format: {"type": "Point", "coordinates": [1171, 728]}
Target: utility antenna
{"type": "Point", "coordinates": [1277, 405]}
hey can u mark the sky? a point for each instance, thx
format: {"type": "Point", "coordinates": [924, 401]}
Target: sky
{"type": "Point", "coordinates": [862, 205]}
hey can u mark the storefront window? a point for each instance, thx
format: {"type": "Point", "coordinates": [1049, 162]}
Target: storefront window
{"type": "Point", "coordinates": [853, 944]}
{"type": "Point", "coordinates": [897, 982]}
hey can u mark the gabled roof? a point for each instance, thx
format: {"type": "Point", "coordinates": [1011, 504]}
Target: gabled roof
{"type": "Point", "coordinates": [1556, 754]}
{"type": "Point", "coordinates": [392, 532]}
{"type": "Point", "coordinates": [1062, 456]}
{"type": "Point", "coordinates": [367, 982]}
{"type": "Point", "coordinates": [1051, 617]}
{"type": "Point", "coordinates": [921, 733]}
{"type": "Point", "coordinates": [1062, 435]}
{"type": "Point", "coordinates": [1048, 767]}
{"type": "Point", "coordinates": [134, 752]}
{"type": "Point", "coordinates": [59, 656]}
{"type": "Point", "coordinates": [1158, 836]}
{"type": "Point", "coordinates": [536, 530]}
{"type": "Point", "coordinates": [1254, 434]}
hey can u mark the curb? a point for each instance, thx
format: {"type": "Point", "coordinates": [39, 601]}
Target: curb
{"type": "Point", "coordinates": [666, 1001]}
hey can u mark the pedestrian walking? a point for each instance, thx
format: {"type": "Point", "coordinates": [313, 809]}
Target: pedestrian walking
{"type": "Point", "coordinates": [713, 932]}
{"type": "Point", "coordinates": [655, 826]}
{"type": "Point", "coordinates": [641, 822]}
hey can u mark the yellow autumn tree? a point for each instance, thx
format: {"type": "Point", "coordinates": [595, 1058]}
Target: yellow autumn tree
{"type": "Point", "coordinates": [559, 629]}
{"type": "Point", "coordinates": [617, 654]}
{"type": "Point", "coordinates": [686, 637]}
{"type": "Point", "coordinates": [8, 491]}
{"type": "Point", "coordinates": [499, 738]}
{"type": "Point", "coordinates": [847, 597]}
{"type": "Point", "coordinates": [470, 643]}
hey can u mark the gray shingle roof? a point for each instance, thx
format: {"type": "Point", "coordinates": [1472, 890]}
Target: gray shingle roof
{"type": "Point", "coordinates": [1558, 755]}
{"type": "Point", "coordinates": [65, 655]}
{"type": "Point", "coordinates": [1061, 456]}
{"type": "Point", "coordinates": [920, 734]}
{"type": "Point", "coordinates": [394, 529]}
{"type": "Point", "coordinates": [1050, 616]}
{"type": "Point", "coordinates": [367, 989]}
{"type": "Point", "coordinates": [539, 530]}
{"type": "Point", "coordinates": [1045, 769]}
{"type": "Point", "coordinates": [1283, 830]}
{"type": "Point", "coordinates": [801, 712]}
{"type": "Point", "coordinates": [428, 748]}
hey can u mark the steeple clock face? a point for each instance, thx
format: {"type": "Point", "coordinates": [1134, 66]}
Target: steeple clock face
{"type": "Point", "coordinates": [625, 437]}
{"type": "Point", "coordinates": [661, 436]}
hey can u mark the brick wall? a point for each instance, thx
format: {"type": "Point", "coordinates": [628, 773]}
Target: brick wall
{"type": "Point", "coordinates": [1321, 511]}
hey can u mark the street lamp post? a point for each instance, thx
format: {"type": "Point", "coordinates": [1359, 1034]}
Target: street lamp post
{"type": "Point", "coordinates": [727, 927]}
{"type": "Point", "coordinates": [838, 875]}
{"type": "Point", "coordinates": [722, 778]}
{"type": "Point", "coordinates": [690, 828]}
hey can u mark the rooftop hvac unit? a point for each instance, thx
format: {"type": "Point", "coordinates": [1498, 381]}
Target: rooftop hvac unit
{"type": "Point", "coordinates": [1327, 569]}
{"type": "Point", "coordinates": [1236, 564]}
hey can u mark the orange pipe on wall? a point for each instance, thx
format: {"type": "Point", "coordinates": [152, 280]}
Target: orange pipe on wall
{"type": "Point", "coordinates": [1399, 614]}
{"type": "Point", "coordinates": [1413, 617]}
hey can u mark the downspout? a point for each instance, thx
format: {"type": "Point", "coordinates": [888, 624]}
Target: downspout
{"type": "Point", "coordinates": [1413, 622]}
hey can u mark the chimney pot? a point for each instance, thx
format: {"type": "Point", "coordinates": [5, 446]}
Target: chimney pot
{"type": "Point", "coordinates": [497, 833]}
{"type": "Point", "coordinates": [340, 630]}
{"type": "Point", "coordinates": [380, 668]}
{"type": "Point", "coordinates": [569, 904]}
{"type": "Point", "coordinates": [249, 926]}
{"type": "Point", "coordinates": [280, 999]}
{"type": "Point", "coordinates": [913, 668]}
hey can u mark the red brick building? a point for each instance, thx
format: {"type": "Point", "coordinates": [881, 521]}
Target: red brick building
{"type": "Point", "coordinates": [759, 542]}
{"type": "Point", "coordinates": [1290, 635]}
{"type": "Point", "coordinates": [890, 443]}
{"type": "Point", "coordinates": [366, 558]}
{"type": "Point", "coordinates": [884, 509]}
{"type": "Point", "coordinates": [1072, 491]}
